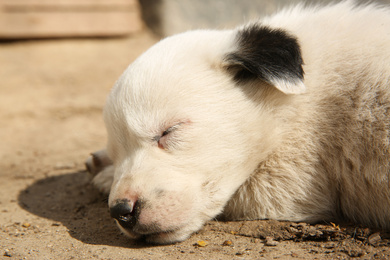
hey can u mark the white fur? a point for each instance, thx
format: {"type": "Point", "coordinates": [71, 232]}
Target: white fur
{"type": "Point", "coordinates": [251, 151]}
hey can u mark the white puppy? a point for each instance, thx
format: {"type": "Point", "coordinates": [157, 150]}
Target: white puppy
{"type": "Point", "coordinates": [285, 119]}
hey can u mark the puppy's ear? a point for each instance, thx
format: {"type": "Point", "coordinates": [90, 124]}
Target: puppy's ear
{"type": "Point", "coordinates": [271, 55]}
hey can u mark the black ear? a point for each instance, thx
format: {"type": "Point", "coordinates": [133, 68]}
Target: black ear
{"type": "Point", "coordinates": [271, 55]}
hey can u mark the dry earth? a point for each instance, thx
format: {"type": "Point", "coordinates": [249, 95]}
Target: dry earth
{"type": "Point", "coordinates": [51, 97]}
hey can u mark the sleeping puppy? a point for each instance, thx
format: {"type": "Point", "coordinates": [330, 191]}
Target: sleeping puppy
{"type": "Point", "coordinates": [285, 119]}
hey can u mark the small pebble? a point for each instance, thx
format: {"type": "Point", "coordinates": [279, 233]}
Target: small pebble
{"type": "Point", "coordinates": [374, 238]}
{"type": "Point", "coordinates": [7, 253]}
{"type": "Point", "coordinates": [201, 243]}
{"type": "Point", "coordinates": [26, 225]}
{"type": "Point", "coordinates": [269, 241]}
{"type": "Point", "coordinates": [227, 243]}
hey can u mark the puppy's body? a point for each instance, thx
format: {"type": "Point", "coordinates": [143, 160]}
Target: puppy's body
{"type": "Point", "coordinates": [225, 122]}
{"type": "Point", "coordinates": [333, 155]}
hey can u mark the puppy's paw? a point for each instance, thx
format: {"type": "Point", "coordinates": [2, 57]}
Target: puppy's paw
{"type": "Point", "coordinates": [97, 162]}
{"type": "Point", "coordinates": [101, 170]}
{"type": "Point", "coordinates": [103, 180]}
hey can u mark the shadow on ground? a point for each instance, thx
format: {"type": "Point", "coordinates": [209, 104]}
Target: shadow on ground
{"type": "Point", "coordinates": [70, 200]}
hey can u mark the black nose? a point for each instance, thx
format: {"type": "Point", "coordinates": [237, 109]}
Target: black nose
{"type": "Point", "coordinates": [126, 213]}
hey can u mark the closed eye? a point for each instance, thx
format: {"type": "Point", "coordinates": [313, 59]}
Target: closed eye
{"type": "Point", "coordinates": [161, 139]}
{"type": "Point", "coordinates": [166, 132]}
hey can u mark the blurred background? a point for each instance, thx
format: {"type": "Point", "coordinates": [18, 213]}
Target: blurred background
{"type": "Point", "coordinates": [26, 19]}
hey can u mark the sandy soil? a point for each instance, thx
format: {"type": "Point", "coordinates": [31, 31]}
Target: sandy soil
{"type": "Point", "coordinates": [51, 97]}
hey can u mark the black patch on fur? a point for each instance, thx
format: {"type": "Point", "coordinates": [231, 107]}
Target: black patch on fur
{"type": "Point", "coordinates": [265, 53]}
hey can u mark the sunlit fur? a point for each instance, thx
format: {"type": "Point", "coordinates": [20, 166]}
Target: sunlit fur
{"type": "Point", "coordinates": [309, 150]}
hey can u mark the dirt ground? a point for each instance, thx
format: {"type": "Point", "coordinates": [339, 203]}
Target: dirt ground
{"type": "Point", "coordinates": [51, 97]}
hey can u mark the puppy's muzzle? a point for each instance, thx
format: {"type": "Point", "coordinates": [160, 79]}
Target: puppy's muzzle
{"type": "Point", "coordinates": [126, 213]}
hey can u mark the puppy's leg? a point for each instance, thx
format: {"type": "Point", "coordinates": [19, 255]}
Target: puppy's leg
{"type": "Point", "coordinates": [100, 167]}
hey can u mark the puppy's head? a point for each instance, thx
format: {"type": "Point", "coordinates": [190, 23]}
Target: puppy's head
{"type": "Point", "coordinates": [189, 121]}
